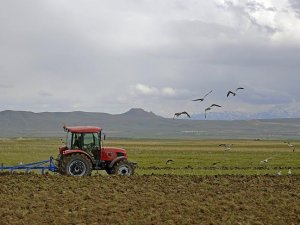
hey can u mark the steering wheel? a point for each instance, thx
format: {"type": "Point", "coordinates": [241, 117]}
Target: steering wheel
{"type": "Point", "coordinates": [88, 146]}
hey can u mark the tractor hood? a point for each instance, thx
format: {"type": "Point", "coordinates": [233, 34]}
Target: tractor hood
{"type": "Point", "coordinates": [113, 149]}
{"type": "Point", "coordinates": [110, 153]}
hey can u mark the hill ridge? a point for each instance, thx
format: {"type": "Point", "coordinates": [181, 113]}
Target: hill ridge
{"type": "Point", "coordinates": [138, 123]}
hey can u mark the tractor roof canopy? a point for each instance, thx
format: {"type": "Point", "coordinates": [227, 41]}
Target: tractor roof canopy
{"type": "Point", "coordinates": [82, 129]}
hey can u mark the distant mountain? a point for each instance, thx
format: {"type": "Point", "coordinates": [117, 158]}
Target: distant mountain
{"type": "Point", "coordinates": [275, 112]}
{"type": "Point", "coordinates": [137, 123]}
{"type": "Point", "coordinates": [138, 112]}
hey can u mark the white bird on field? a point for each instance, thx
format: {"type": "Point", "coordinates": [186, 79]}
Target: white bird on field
{"type": "Point", "coordinates": [278, 173]}
{"type": "Point", "coordinates": [291, 146]}
{"type": "Point", "coordinates": [227, 147]}
{"type": "Point", "coordinates": [265, 160]}
{"type": "Point", "coordinates": [289, 172]}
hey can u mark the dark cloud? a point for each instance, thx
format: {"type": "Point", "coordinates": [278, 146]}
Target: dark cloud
{"type": "Point", "coordinates": [5, 86]}
{"type": "Point", "coordinates": [44, 93]}
{"type": "Point", "coordinates": [254, 6]}
{"type": "Point", "coordinates": [188, 30]}
{"type": "Point", "coordinates": [296, 5]}
{"type": "Point", "coordinates": [111, 55]}
{"type": "Point", "coordinates": [245, 11]}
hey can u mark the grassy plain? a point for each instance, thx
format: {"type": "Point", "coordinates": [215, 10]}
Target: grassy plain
{"type": "Point", "coordinates": [232, 187]}
{"type": "Point", "coordinates": [190, 157]}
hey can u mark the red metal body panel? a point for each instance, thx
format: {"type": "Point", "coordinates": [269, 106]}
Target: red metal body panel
{"type": "Point", "coordinates": [107, 153]}
{"type": "Point", "coordinates": [110, 153]}
{"type": "Point", "coordinates": [67, 152]}
{"type": "Point", "coordinates": [83, 129]}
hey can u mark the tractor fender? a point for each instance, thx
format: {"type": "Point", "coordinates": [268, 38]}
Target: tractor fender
{"type": "Point", "coordinates": [112, 163]}
{"type": "Point", "coordinates": [69, 152]}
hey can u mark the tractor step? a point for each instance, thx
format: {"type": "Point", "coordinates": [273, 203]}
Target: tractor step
{"type": "Point", "coordinates": [99, 165]}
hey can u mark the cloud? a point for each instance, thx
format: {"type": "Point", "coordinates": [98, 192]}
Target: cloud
{"type": "Point", "coordinates": [251, 12]}
{"type": "Point", "coordinates": [296, 5]}
{"type": "Point", "coordinates": [166, 92]}
{"type": "Point", "coordinates": [146, 90]}
{"type": "Point", "coordinates": [44, 93]}
{"type": "Point", "coordinates": [111, 55]}
{"type": "Point", "coordinates": [5, 86]}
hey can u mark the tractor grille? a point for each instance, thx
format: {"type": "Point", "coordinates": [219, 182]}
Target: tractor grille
{"type": "Point", "coordinates": [120, 154]}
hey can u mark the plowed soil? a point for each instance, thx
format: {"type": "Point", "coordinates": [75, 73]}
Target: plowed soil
{"type": "Point", "coordinates": [148, 199]}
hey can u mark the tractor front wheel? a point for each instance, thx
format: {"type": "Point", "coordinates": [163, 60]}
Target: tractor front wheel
{"type": "Point", "coordinates": [123, 168]}
{"type": "Point", "coordinates": [77, 165]}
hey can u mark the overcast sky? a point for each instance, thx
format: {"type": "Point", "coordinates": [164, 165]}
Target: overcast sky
{"type": "Point", "coordinates": [112, 55]}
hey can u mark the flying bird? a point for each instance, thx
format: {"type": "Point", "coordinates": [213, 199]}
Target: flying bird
{"type": "Point", "coordinates": [291, 146]}
{"type": "Point", "coordinates": [227, 147]}
{"type": "Point", "coordinates": [215, 105]}
{"type": "Point", "coordinates": [181, 113]}
{"type": "Point", "coordinates": [234, 93]}
{"type": "Point", "coordinates": [231, 92]}
{"type": "Point", "coordinates": [207, 109]}
{"type": "Point", "coordinates": [239, 88]}
{"type": "Point", "coordinates": [202, 99]}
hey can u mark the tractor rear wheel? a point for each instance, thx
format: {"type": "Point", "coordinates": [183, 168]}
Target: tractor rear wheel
{"type": "Point", "coordinates": [77, 165]}
{"type": "Point", "coordinates": [123, 168]}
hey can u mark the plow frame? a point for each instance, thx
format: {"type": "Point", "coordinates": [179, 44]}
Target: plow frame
{"type": "Point", "coordinates": [42, 165]}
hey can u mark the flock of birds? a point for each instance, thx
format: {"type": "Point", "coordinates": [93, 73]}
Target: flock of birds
{"type": "Point", "coordinates": [279, 173]}
{"type": "Point", "coordinates": [229, 93]}
{"type": "Point", "coordinates": [227, 147]}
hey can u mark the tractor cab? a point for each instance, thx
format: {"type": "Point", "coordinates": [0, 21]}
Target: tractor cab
{"type": "Point", "coordinates": [84, 152]}
{"type": "Point", "coordinates": [87, 139]}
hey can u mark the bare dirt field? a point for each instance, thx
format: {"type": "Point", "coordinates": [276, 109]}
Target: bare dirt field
{"type": "Point", "coordinates": [149, 199]}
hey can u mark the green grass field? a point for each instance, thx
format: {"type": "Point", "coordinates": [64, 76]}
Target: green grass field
{"type": "Point", "coordinates": [190, 157]}
{"type": "Point", "coordinates": [184, 194]}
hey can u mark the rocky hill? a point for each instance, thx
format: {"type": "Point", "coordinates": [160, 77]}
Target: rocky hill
{"type": "Point", "coordinates": [137, 123]}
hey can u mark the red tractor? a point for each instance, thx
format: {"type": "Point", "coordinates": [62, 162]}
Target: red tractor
{"type": "Point", "coordinates": [84, 153]}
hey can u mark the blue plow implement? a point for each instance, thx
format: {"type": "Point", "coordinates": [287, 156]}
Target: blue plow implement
{"type": "Point", "coordinates": [42, 165]}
